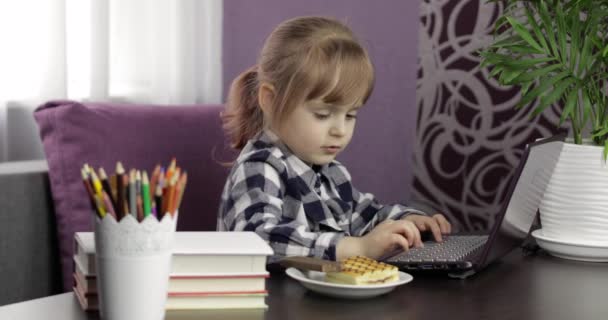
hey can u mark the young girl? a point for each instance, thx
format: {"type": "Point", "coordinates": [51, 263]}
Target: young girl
{"type": "Point", "coordinates": [291, 115]}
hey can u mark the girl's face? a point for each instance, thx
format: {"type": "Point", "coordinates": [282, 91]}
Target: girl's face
{"type": "Point", "coordinates": [317, 132]}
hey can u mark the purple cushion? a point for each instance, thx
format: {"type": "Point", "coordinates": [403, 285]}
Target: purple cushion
{"type": "Point", "coordinates": [140, 136]}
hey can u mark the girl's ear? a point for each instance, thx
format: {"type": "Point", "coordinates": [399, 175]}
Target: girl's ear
{"type": "Point", "coordinates": [266, 96]}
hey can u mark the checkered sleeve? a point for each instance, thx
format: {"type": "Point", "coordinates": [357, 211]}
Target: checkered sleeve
{"type": "Point", "coordinates": [256, 203]}
{"type": "Point", "coordinates": [367, 211]}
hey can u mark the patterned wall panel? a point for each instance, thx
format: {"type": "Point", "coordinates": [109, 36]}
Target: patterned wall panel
{"type": "Point", "coordinates": [469, 136]}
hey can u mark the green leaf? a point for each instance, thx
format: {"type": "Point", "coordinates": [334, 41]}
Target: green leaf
{"type": "Point", "coordinates": [522, 49]}
{"type": "Point", "coordinates": [508, 41]}
{"type": "Point", "coordinates": [586, 107]}
{"type": "Point", "coordinates": [537, 73]}
{"type": "Point", "coordinates": [548, 26]}
{"type": "Point", "coordinates": [544, 84]}
{"type": "Point", "coordinates": [561, 31]}
{"type": "Point", "coordinates": [553, 96]}
{"type": "Point", "coordinates": [575, 27]}
{"type": "Point", "coordinates": [605, 51]}
{"type": "Point", "coordinates": [600, 133]}
{"type": "Point", "coordinates": [507, 76]}
{"type": "Point", "coordinates": [495, 58]}
{"type": "Point", "coordinates": [521, 30]}
{"type": "Point", "coordinates": [501, 23]}
{"type": "Point", "coordinates": [582, 64]}
{"type": "Point", "coordinates": [537, 31]}
{"type": "Point", "coordinates": [525, 87]}
{"type": "Point", "coordinates": [496, 70]}
{"type": "Point", "coordinates": [527, 63]}
{"type": "Point", "coordinates": [571, 102]}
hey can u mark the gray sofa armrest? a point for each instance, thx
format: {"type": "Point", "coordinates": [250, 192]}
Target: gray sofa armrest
{"type": "Point", "coordinates": [29, 258]}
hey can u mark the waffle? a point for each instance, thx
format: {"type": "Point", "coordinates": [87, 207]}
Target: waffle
{"type": "Point", "coordinates": [361, 270]}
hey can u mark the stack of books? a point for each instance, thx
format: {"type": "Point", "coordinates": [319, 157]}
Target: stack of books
{"type": "Point", "coordinates": [209, 270]}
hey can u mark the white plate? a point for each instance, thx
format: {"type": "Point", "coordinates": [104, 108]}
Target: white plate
{"type": "Point", "coordinates": [315, 281]}
{"type": "Point", "coordinates": [582, 251]}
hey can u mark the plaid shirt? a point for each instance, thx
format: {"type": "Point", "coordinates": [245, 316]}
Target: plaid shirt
{"type": "Point", "coordinates": [298, 210]}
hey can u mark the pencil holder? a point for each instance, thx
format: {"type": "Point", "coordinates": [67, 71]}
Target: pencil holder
{"type": "Point", "coordinates": [133, 260]}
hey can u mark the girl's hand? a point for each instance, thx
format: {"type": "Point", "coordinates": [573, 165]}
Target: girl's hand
{"type": "Point", "coordinates": [388, 236]}
{"type": "Point", "coordinates": [437, 224]}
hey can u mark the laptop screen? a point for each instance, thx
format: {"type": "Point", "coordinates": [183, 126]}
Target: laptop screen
{"type": "Point", "coordinates": [524, 195]}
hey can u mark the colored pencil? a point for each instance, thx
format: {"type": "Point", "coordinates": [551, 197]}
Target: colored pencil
{"type": "Point", "coordinates": [181, 186]}
{"type": "Point", "coordinates": [132, 194]}
{"type": "Point", "coordinates": [171, 193]}
{"type": "Point", "coordinates": [99, 202]}
{"type": "Point", "coordinates": [90, 192]}
{"type": "Point", "coordinates": [153, 209]}
{"type": "Point", "coordinates": [171, 169]}
{"type": "Point", "coordinates": [105, 183]}
{"type": "Point", "coordinates": [138, 198]}
{"type": "Point", "coordinates": [158, 200]}
{"type": "Point", "coordinates": [145, 192]}
{"type": "Point", "coordinates": [114, 194]}
{"type": "Point", "coordinates": [120, 190]}
{"type": "Point", "coordinates": [97, 187]}
{"type": "Point", "coordinates": [108, 203]}
{"type": "Point", "coordinates": [154, 180]}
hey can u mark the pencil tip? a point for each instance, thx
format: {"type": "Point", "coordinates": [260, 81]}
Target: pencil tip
{"type": "Point", "coordinates": [119, 167]}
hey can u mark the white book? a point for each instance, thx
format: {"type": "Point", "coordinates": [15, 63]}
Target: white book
{"type": "Point", "coordinates": [242, 283]}
{"type": "Point", "coordinates": [89, 301]}
{"type": "Point", "coordinates": [196, 253]}
{"type": "Point", "coordinates": [234, 301]}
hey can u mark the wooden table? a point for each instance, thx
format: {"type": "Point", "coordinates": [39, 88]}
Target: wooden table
{"type": "Point", "coordinates": [518, 287]}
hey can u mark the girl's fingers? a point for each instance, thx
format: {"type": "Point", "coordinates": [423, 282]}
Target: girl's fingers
{"type": "Point", "coordinates": [435, 229]}
{"type": "Point", "coordinates": [399, 240]}
{"type": "Point", "coordinates": [428, 224]}
{"type": "Point", "coordinates": [444, 225]}
{"type": "Point", "coordinates": [405, 229]}
{"type": "Point", "coordinates": [414, 235]}
{"type": "Point", "coordinates": [421, 225]}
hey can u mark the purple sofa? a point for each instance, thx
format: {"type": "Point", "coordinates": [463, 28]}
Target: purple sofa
{"type": "Point", "coordinates": [140, 136]}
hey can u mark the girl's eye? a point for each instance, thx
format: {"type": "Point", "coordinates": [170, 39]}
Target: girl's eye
{"type": "Point", "coordinates": [351, 116]}
{"type": "Point", "coordinates": [321, 116]}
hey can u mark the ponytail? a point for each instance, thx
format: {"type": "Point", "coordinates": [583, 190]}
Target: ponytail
{"type": "Point", "coordinates": [243, 118]}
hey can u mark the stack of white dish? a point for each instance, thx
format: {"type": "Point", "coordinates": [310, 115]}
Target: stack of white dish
{"type": "Point", "coordinates": [574, 209]}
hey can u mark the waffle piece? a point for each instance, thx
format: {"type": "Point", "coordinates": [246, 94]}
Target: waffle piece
{"type": "Point", "coordinates": [361, 270]}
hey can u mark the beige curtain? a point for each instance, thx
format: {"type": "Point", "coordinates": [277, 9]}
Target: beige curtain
{"type": "Point", "coordinates": [146, 51]}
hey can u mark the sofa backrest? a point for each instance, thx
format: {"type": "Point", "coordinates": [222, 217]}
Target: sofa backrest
{"type": "Point", "coordinates": [29, 258]}
{"type": "Point", "coordinates": [140, 136]}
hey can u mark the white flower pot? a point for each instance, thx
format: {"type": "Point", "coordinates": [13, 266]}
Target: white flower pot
{"type": "Point", "coordinates": [575, 205]}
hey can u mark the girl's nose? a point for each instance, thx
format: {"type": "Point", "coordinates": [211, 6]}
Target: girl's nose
{"type": "Point", "coordinates": [338, 128]}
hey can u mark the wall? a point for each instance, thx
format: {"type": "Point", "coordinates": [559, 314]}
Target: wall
{"type": "Point", "coordinates": [379, 157]}
{"type": "Point", "coordinates": [23, 141]}
{"type": "Point", "coordinates": [469, 137]}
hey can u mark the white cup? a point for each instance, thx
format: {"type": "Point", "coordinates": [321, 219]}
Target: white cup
{"type": "Point", "coordinates": [133, 260]}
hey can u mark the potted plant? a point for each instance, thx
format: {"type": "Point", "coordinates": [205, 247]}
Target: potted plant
{"type": "Point", "coordinates": [556, 51]}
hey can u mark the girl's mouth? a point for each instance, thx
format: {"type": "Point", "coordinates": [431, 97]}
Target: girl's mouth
{"type": "Point", "coordinates": [331, 149]}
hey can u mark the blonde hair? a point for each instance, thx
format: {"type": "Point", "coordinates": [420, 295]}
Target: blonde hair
{"type": "Point", "coordinates": [305, 58]}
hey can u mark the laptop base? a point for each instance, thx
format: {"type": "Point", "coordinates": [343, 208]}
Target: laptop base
{"type": "Point", "coordinates": [462, 275]}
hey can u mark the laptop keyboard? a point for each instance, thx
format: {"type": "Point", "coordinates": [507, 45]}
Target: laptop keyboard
{"type": "Point", "coordinates": [453, 248]}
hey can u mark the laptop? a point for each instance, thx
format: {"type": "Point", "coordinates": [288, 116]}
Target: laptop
{"type": "Point", "coordinates": [462, 255]}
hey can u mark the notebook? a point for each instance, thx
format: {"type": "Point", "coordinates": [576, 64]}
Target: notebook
{"type": "Point", "coordinates": [462, 255]}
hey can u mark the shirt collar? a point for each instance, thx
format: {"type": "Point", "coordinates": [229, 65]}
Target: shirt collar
{"type": "Point", "coordinates": [301, 169]}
